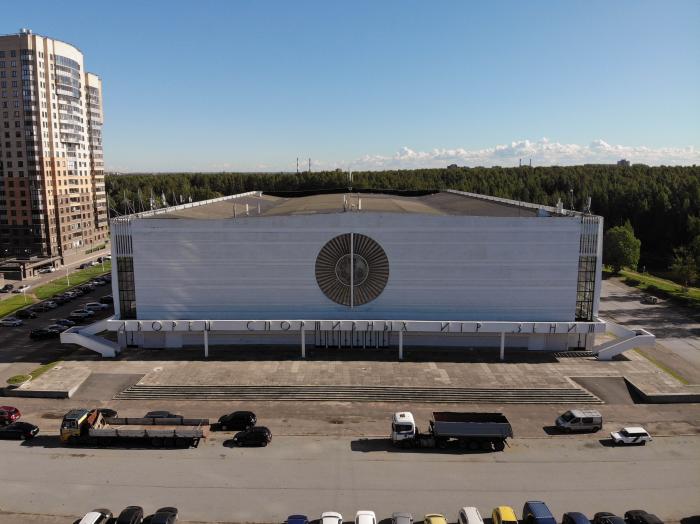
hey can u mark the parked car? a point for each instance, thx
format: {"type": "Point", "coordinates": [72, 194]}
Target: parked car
{"type": "Point", "coordinates": [9, 414]}
{"type": "Point", "coordinates": [639, 516]}
{"type": "Point", "coordinates": [60, 299]}
{"type": "Point", "coordinates": [56, 327]}
{"type": "Point", "coordinates": [42, 307]}
{"type": "Point", "coordinates": [434, 518]}
{"type": "Point", "coordinates": [257, 436]}
{"type": "Point", "coordinates": [82, 313]}
{"type": "Point", "coordinates": [65, 322]}
{"type": "Point", "coordinates": [333, 517]}
{"type": "Point", "coordinates": [99, 282]}
{"type": "Point", "coordinates": [164, 516]}
{"type": "Point", "coordinates": [107, 299]}
{"type": "Point", "coordinates": [96, 516]}
{"type": "Point", "coordinates": [649, 299]}
{"type": "Point", "coordinates": [18, 431]}
{"type": "Point", "coordinates": [469, 515]}
{"type": "Point", "coordinates": [49, 269]}
{"type": "Point", "coordinates": [25, 313]}
{"type": "Point", "coordinates": [130, 515]}
{"type": "Point", "coordinates": [580, 420]}
{"type": "Point", "coordinates": [603, 517]}
{"type": "Point", "coordinates": [237, 421]}
{"type": "Point", "coordinates": [21, 289]}
{"type": "Point", "coordinates": [573, 517]}
{"type": "Point", "coordinates": [631, 435]}
{"type": "Point", "coordinates": [365, 517]}
{"type": "Point", "coordinates": [11, 321]}
{"type": "Point", "coordinates": [41, 334]}
{"type": "Point", "coordinates": [6, 288]}
{"type": "Point", "coordinates": [503, 515]}
{"type": "Point", "coordinates": [536, 512]}
{"type": "Point", "coordinates": [50, 304]}
{"type": "Point", "coordinates": [96, 306]}
{"type": "Point", "coordinates": [161, 414]}
{"type": "Point", "coordinates": [297, 519]}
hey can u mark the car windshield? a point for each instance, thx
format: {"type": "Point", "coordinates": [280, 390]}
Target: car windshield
{"type": "Point", "coordinates": [567, 416]}
{"type": "Point", "coordinates": [403, 428]}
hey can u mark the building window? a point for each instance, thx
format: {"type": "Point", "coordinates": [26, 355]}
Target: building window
{"type": "Point", "coordinates": [125, 282]}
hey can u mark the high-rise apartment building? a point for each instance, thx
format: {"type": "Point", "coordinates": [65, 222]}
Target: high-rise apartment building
{"type": "Point", "coordinates": [52, 190]}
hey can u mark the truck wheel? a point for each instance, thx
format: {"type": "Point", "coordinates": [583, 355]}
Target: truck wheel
{"type": "Point", "coordinates": [157, 442]}
{"type": "Point", "coordinates": [596, 428]}
{"type": "Point", "coordinates": [486, 446]}
{"type": "Point", "coordinates": [473, 445]}
{"type": "Point", "coordinates": [499, 445]}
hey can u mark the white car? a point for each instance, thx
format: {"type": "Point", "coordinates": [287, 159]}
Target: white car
{"type": "Point", "coordinates": [49, 269]}
{"type": "Point", "coordinates": [365, 517]}
{"type": "Point", "coordinates": [631, 435]}
{"type": "Point", "coordinates": [21, 289]}
{"type": "Point", "coordinates": [469, 515]}
{"type": "Point", "coordinates": [331, 517]}
{"type": "Point", "coordinates": [95, 306]}
{"type": "Point", "coordinates": [11, 321]}
{"type": "Point", "coordinates": [97, 516]}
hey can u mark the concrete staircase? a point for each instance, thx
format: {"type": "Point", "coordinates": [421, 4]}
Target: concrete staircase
{"type": "Point", "coordinates": [86, 337]}
{"type": "Point", "coordinates": [361, 394]}
{"type": "Point", "coordinates": [626, 339]}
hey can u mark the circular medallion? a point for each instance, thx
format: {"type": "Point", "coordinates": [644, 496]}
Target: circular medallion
{"type": "Point", "coordinates": [352, 269]}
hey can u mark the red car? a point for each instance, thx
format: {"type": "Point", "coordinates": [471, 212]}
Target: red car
{"type": "Point", "coordinates": [9, 414]}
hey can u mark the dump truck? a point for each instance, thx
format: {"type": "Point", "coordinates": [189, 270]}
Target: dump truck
{"type": "Point", "coordinates": [90, 426]}
{"type": "Point", "coordinates": [485, 431]}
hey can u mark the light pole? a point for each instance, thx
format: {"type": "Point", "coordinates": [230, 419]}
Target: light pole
{"type": "Point", "coordinates": [67, 279]}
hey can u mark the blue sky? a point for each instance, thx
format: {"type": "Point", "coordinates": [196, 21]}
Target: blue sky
{"type": "Point", "coordinates": [214, 85]}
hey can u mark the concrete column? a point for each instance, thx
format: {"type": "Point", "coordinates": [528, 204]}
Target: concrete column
{"type": "Point", "coordinates": [400, 345]}
{"type": "Point", "coordinates": [503, 346]}
{"type": "Point", "coordinates": [206, 344]}
{"type": "Point", "coordinates": [303, 343]}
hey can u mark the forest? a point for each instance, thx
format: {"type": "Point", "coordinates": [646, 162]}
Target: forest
{"type": "Point", "coordinates": [661, 203]}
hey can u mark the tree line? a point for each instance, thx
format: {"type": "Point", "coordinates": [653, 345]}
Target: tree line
{"type": "Point", "coordinates": [661, 204]}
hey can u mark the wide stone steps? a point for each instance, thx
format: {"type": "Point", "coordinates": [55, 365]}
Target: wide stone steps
{"type": "Point", "coordinates": [361, 394]}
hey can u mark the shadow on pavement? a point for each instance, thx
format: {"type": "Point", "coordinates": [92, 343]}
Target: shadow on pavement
{"type": "Point", "coordinates": [54, 441]}
{"type": "Point", "coordinates": [369, 445]}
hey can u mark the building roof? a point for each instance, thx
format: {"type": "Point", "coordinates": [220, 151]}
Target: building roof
{"type": "Point", "coordinates": [256, 204]}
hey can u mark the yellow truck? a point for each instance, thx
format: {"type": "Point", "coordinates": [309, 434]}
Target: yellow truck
{"type": "Point", "coordinates": [89, 426]}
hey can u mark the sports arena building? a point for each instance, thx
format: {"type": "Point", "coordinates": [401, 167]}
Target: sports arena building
{"type": "Point", "coordinates": [363, 270]}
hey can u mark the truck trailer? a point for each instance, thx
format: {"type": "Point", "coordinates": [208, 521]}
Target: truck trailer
{"type": "Point", "coordinates": [472, 430]}
{"type": "Point", "coordinates": [89, 426]}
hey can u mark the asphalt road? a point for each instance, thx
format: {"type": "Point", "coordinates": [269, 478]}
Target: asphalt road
{"type": "Point", "coordinates": [311, 475]}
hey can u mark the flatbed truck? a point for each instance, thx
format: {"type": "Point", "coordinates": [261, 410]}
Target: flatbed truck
{"type": "Point", "coordinates": [89, 426]}
{"type": "Point", "coordinates": [472, 430]}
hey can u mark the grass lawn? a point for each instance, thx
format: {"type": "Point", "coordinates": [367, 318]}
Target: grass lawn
{"type": "Point", "coordinates": [76, 278]}
{"type": "Point", "coordinates": [662, 287]}
{"type": "Point", "coordinates": [14, 303]}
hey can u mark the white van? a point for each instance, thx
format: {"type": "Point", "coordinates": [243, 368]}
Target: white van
{"type": "Point", "coordinates": [469, 515]}
{"type": "Point", "coordinates": [97, 516]}
{"type": "Point", "coordinates": [580, 420]}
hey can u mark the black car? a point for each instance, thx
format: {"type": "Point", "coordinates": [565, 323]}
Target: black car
{"type": "Point", "coordinates": [161, 414]}
{"type": "Point", "coordinates": [164, 516]}
{"type": "Point", "coordinates": [18, 431]}
{"type": "Point", "coordinates": [107, 299]}
{"type": "Point", "coordinates": [130, 515]}
{"type": "Point", "coordinates": [60, 299]}
{"type": "Point", "coordinates": [40, 334]}
{"type": "Point", "coordinates": [603, 517]}
{"type": "Point", "coordinates": [25, 313]}
{"type": "Point", "coordinates": [6, 288]}
{"type": "Point", "coordinates": [257, 436]}
{"type": "Point", "coordinates": [237, 421]}
{"type": "Point", "coordinates": [639, 516]}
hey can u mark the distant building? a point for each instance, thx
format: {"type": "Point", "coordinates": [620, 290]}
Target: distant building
{"type": "Point", "coordinates": [623, 163]}
{"type": "Point", "coordinates": [53, 203]}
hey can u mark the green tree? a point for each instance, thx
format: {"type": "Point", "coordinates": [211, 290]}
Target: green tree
{"type": "Point", "coordinates": [684, 266]}
{"type": "Point", "coordinates": [621, 247]}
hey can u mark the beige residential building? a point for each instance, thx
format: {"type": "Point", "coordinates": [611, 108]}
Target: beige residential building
{"type": "Point", "coordinates": [52, 190]}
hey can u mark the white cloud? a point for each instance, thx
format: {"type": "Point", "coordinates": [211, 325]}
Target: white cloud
{"type": "Point", "coordinates": [542, 152]}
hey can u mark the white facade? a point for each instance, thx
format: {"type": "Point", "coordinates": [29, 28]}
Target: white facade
{"type": "Point", "coordinates": [479, 275]}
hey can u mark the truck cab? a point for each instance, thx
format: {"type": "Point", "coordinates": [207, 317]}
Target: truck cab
{"type": "Point", "coordinates": [403, 427]}
{"type": "Point", "coordinates": [73, 423]}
